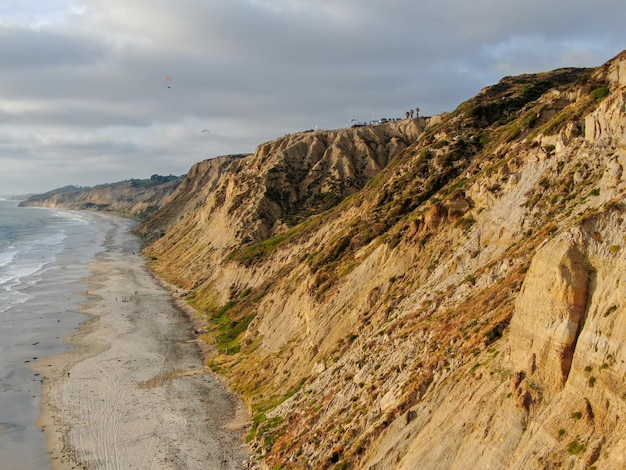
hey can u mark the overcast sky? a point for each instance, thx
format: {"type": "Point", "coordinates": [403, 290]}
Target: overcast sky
{"type": "Point", "coordinates": [84, 97]}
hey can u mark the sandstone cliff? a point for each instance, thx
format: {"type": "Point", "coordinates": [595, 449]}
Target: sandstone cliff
{"type": "Point", "coordinates": [253, 198]}
{"type": "Point", "coordinates": [437, 293]}
{"type": "Point", "coordinates": [132, 198]}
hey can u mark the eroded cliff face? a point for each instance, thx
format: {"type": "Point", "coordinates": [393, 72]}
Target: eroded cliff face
{"type": "Point", "coordinates": [440, 293]}
{"type": "Point", "coordinates": [253, 198]}
{"type": "Point", "coordinates": [550, 392]}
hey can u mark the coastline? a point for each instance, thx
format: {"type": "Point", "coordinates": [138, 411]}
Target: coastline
{"type": "Point", "coordinates": [135, 391]}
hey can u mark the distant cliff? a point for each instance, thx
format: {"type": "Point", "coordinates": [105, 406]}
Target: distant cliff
{"type": "Point", "coordinates": [438, 293]}
{"type": "Point", "coordinates": [132, 198]}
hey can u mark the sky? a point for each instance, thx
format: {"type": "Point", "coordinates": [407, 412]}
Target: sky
{"type": "Point", "coordinates": [98, 91]}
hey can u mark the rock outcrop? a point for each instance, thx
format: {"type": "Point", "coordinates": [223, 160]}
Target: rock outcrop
{"type": "Point", "coordinates": [550, 312]}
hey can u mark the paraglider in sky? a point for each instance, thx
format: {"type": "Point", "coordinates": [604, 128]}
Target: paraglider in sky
{"type": "Point", "coordinates": [168, 78]}
{"type": "Point", "coordinates": [205, 130]}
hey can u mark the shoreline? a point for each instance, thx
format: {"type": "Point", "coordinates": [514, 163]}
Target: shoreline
{"type": "Point", "coordinates": [135, 391]}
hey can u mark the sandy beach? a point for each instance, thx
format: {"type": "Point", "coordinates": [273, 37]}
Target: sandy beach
{"type": "Point", "coordinates": [135, 392]}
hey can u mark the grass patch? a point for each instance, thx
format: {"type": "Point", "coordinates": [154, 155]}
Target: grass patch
{"type": "Point", "coordinates": [599, 93]}
{"type": "Point", "coordinates": [229, 332]}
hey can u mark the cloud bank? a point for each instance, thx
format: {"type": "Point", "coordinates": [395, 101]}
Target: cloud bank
{"type": "Point", "coordinates": [84, 99]}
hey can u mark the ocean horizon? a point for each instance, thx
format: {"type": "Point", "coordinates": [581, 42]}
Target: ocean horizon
{"type": "Point", "coordinates": [44, 255]}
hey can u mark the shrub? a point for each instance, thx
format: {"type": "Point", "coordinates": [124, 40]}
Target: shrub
{"type": "Point", "coordinates": [576, 447]}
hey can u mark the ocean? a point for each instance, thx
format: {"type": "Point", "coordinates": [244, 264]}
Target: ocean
{"type": "Point", "coordinates": [44, 255]}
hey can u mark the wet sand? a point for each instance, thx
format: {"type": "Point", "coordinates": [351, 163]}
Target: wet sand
{"type": "Point", "coordinates": [135, 392]}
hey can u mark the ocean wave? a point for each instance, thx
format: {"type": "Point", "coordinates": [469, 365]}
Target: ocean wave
{"type": "Point", "coordinates": [31, 243]}
{"type": "Point", "coordinates": [11, 298]}
{"type": "Point", "coordinates": [15, 274]}
{"type": "Point", "coordinates": [27, 259]}
{"type": "Point", "coordinates": [7, 256]}
{"type": "Point", "coordinates": [73, 216]}
{"type": "Point", "coordinates": [51, 239]}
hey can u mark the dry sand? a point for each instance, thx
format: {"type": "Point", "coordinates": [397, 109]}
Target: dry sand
{"type": "Point", "coordinates": [135, 393]}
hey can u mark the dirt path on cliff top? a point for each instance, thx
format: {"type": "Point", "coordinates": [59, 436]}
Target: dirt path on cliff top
{"type": "Point", "coordinates": [135, 392]}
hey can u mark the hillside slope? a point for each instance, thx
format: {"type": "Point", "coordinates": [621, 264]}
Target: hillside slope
{"type": "Point", "coordinates": [228, 203]}
{"type": "Point", "coordinates": [445, 293]}
{"type": "Point", "coordinates": [131, 198]}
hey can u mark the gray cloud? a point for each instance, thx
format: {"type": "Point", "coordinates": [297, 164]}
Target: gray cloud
{"type": "Point", "coordinates": [84, 100]}
{"type": "Point", "coordinates": [23, 49]}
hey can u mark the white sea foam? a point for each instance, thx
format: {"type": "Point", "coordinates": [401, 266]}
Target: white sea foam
{"type": "Point", "coordinates": [16, 276]}
{"type": "Point", "coordinates": [74, 216]}
{"type": "Point", "coordinates": [11, 298]}
{"type": "Point", "coordinates": [7, 256]}
{"type": "Point", "coordinates": [29, 242]}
